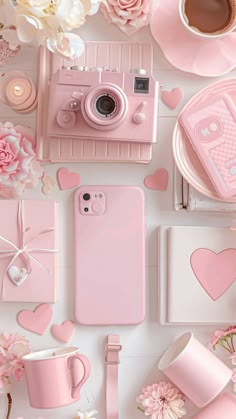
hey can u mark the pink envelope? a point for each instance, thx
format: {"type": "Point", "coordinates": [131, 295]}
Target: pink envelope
{"type": "Point", "coordinates": [28, 251]}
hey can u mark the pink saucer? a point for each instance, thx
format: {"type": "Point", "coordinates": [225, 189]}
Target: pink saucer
{"type": "Point", "coordinates": [213, 57]}
{"type": "Point", "coordinates": [185, 157]}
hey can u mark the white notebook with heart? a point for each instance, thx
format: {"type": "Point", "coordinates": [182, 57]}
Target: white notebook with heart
{"type": "Point", "coordinates": [197, 275]}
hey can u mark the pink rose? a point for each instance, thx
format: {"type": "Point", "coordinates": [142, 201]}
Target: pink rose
{"type": "Point", "coordinates": [129, 15]}
{"type": "Point", "coordinates": [18, 166]}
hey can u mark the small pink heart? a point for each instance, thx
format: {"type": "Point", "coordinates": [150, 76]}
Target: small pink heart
{"type": "Point", "coordinates": [36, 321]}
{"type": "Point", "coordinates": [64, 331]}
{"type": "Point", "coordinates": [214, 271]}
{"type": "Point", "coordinates": [173, 98]}
{"type": "Point", "coordinates": [158, 181]}
{"type": "Point", "coordinates": [67, 179]}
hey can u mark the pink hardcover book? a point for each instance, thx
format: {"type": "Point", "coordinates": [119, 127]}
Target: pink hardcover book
{"type": "Point", "coordinates": [28, 251]}
{"type": "Point", "coordinates": [211, 129]}
{"type": "Point", "coordinates": [109, 255]}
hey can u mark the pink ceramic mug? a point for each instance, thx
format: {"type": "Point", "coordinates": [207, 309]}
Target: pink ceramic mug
{"type": "Point", "coordinates": [55, 376]}
{"type": "Point", "coordinates": [195, 370]}
{"type": "Point", "coordinates": [223, 407]}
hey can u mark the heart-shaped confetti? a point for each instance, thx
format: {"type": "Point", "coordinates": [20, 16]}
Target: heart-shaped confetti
{"type": "Point", "coordinates": [48, 185]}
{"type": "Point", "coordinates": [64, 331]}
{"type": "Point", "coordinates": [172, 98]}
{"type": "Point", "coordinates": [17, 275]}
{"type": "Point", "coordinates": [67, 179]}
{"type": "Point", "coordinates": [158, 181]}
{"type": "Point", "coordinates": [36, 321]}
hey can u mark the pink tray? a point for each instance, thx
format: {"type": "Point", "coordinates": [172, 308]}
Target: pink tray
{"type": "Point", "coordinates": [120, 55]}
{"type": "Point", "coordinates": [185, 157]}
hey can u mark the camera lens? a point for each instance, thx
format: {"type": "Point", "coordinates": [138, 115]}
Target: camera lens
{"type": "Point", "coordinates": [105, 105]}
{"type": "Point", "coordinates": [86, 197]}
{"type": "Point", "coordinates": [86, 209]}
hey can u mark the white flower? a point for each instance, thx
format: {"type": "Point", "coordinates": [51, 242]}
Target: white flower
{"type": "Point", "coordinates": [47, 22]}
{"type": "Point", "coordinates": [67, 44]}
{"type": "Point", "coordinates": [87, 415]}
{"type": "Point", "coordinates": [95, 4]}
{"type": "Point", "coordinates": [28, 28]}
{"type": "Point", "coordinates": [40, 4]}
{"type": "Point", "coordinates": [71, 13]}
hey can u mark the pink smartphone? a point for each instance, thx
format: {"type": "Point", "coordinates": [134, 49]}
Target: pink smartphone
{"type": "Point", "coordinates": [211, 129]}
{"type": "Point", "coordinates": [109, 255]}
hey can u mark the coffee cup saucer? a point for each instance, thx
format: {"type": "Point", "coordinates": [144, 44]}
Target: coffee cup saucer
{"type": "Point", "coordinates": [185, 157]}
{"type": "Point", "coordinates": [187, 52]}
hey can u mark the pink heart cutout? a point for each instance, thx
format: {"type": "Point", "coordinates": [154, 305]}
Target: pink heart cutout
{"type": "Point", "coordinates": [64, 331]}
{"type": "Point", "coordinates": [158, 181]}
{"type": "Point", "coordinates": [215, 271]}
{"type": "Point", "coordinates": [36, 321]}
{"type": "Point", "coordinates": [67, 179]}
{"type": "Point", "coordinates": [172, 98]}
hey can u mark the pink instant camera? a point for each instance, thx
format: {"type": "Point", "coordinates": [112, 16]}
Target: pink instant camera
{"type": "Point", "coordinates": [115, 111]}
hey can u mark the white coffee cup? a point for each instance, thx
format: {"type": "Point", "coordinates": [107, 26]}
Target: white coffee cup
{"type": "Point", "coordinates": [205, 35]}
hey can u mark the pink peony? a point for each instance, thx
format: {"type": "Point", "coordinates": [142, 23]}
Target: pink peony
{"type": "Point", "coordinates": [128, 15]}
{"type": "Point", "coordinates": [162, 401]}
{"type": "Point", "coordinates": [18, 166]}
{"type": "Point", "coordinates": [12, 349]}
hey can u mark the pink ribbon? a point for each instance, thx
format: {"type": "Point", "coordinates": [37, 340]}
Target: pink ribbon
{"type": "Point", "coordinates": [22, 250]}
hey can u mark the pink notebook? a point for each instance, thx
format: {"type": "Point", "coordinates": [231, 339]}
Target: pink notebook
{"type": "Point", "coordinates": [197, 275]}
{"type": "Point", "coordinates": [28, 251]}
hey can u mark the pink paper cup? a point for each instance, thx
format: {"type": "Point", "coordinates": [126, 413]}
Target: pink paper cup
{"type": "Point", "coordinates": [196, 371]}
{"type": "Point", "coordinates": [222, 408]}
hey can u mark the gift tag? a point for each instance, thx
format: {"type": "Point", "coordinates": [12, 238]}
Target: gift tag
{"type": "Point", "coordinates": [17, 275]}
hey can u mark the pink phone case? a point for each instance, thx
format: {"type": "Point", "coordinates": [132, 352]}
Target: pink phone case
{"type": "Point", "coordinates": [211, 129]}
{"type": "Point", "coordinates": [109, 255]}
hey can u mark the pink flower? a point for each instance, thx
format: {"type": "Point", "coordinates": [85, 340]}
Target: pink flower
{"type": "Point", "coordinates": [128, 15]}
{"type": "Point", "coordinates": [162, 401]}
{"type": "Point", "coordinates": [12, 349]}
{"type": "Point", "coordinates": [222, 335]}
{"type": "Point", "coordinates": [18, 168]}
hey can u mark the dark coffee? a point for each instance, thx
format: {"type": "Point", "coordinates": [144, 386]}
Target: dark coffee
{"type": "Point", "coordinates": [209, 16]}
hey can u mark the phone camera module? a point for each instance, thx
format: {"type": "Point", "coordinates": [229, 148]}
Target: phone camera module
{"type": "Point", "coordinates": [86, 197]}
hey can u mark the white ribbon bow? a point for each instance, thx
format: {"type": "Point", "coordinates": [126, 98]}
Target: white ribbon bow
{"type": "Point", "coordinates": [86, 414]}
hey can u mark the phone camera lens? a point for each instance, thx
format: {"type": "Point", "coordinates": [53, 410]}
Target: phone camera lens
{"type": "Point", "coordinates": [86, 197]}
{"type": "Point", "coordinates": [86, 209]}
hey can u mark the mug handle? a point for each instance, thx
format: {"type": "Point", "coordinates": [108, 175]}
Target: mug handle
{"type": "Point", "coordinates": [86, 364]}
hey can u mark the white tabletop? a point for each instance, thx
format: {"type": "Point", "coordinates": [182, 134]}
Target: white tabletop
{"type": "Point", "coordinates": [143, 344]}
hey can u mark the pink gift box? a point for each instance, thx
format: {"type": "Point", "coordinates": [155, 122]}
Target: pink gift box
{"type": "Point", "coordinates": [28, 251]}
